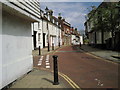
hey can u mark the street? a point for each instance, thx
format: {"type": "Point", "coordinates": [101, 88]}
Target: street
{"type": "Point", "coordinates": [86, 70]}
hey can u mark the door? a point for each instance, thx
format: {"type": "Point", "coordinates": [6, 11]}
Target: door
{"type": "Point", "coordinates": [34, 40]}
{"type": "Point", "coordinates": [43, 40]}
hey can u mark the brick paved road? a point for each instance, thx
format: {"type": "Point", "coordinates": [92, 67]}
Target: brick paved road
{"type": "Point", "coordinates": [85, 70]}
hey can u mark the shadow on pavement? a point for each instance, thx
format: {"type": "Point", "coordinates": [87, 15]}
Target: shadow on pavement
{"type": "Point", "coordinates": [48, 80]}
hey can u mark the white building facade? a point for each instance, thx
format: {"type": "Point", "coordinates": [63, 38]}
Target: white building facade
{"type": "Point", "coordinates": [73, 39]}
{"type": "Point", "coordinates": [37, 35]}
{"type": "Point", "coordinates": [16, 39]}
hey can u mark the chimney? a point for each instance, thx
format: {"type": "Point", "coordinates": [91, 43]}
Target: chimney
{"type": "Point", "coordinates": [59, 16]}
{"type": "Point", "coordinates": [51, 12]}
{"type": "Point", "coordinates": [63, 19]}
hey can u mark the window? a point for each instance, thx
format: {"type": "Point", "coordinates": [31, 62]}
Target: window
{"type": "Point", "coordinates": [38, 36]}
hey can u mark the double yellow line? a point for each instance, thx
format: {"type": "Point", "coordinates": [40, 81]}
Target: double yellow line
{"type": "Point", "coordinates": [98, 57]}
{"type": "Point", "coordinates": [65, 77]}
{"type": "Point", "coordinates": [74, 85]}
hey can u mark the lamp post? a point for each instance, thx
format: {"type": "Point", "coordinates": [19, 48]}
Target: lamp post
{"type": "Point", "coordinates": [47, 13]}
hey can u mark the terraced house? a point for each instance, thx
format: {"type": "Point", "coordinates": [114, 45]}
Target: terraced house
{"type": "Point", "coordinates": [16, 49]}
{"type": "Point", "coordinates": [47, 31]}
{"type": "Point", "coordinates": [102, 26]}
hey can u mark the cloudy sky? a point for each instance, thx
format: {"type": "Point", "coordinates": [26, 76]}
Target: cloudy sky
{"type": "Point", "coordinates": [73, 12]}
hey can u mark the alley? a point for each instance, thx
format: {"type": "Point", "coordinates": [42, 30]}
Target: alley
{"type": "Point", "coordinates": [85, 70]}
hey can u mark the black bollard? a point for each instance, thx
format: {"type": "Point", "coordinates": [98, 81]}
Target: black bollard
{"type": "Point", "coordinates": [59, 44]}
{"type": "Point", "coordinates": [52, 46]}
{"type": "Point", "coordinates": [56, 82]}
{"type": "Point", "coordinates": [39, 51]}
{"type": "Point", "coordinates": [80, 44]}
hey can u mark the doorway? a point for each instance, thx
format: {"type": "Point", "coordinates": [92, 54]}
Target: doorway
{"type": "Point", "coordinates": [43, 40]}
{"type": "Point", "coordinates": [34, 40]}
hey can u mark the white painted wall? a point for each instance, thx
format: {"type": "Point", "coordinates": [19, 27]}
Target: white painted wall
{"type": "Point", "coordinates": [107, 35]}
{"type": "Point", "coordinates": [0, 45]}
{"type": "Point", "coordinates": [81, 39]}
{"type": "Point", "coordinates": [72, 39]}
{"type": "Point", "coordinates": [45, 27]}
{"type": "Point", "coordinates": [54, 32]}
{"type": "Point", "coordinates": [37, 26]}
{"type": "Point", "coordinates": [60, 36]}
{"type": "Point", "coordinates": [98, 37]}
{"type": "Point", "coordinates": [41, 31]}
{"type": "Point", "coordinates": [91, 38]}
{"type": "Point", "coordinates": [45, 31]}
{"type": "Point", "coordinates": [16, 48]}
{"type": "Point", "coordinates": [32, 28]}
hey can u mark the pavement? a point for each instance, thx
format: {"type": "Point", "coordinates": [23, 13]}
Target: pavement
{"type": "Point", "coordinates": [40, 77]}
{"type": "Point", "coordinates": [106, 54]}
{"type": "Point", "coordinates": [37, 79]}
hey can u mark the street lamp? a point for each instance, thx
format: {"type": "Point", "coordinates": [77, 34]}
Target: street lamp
{"type": "Point", "coordinates": [47, 13]}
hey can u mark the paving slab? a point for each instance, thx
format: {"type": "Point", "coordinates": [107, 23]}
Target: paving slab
{"type": "Point", "coordinates": [106, 54]}
{"type": "Point", "coordinates": [37, 79]}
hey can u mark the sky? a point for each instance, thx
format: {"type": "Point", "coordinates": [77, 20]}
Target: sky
{"type": "Point", "coordinates": [72, 12]}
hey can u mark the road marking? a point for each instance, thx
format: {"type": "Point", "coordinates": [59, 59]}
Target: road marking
{"type": "Point", "coordinates": [67, 81]}
{"type": "Point", "coordinates": [47, 63]}
{"type": "Point", "coordinates": [41, 58]}
{"type": "Point", "coordinates": [98, 57]}
{"type": "Point", "coordinates": [74, 85]}
{"type": "Point", "coordinates": [39, 64]}
{"type": "Point", "coordinates": [70, 80]}
{"type": "Point", "coordinates": [40, 61]}
{"type": "Point", "coordinates": [99, 82]}
{"type": "Point", "coordinates": [47, 57]}
{"type": "Point", "coordinates": [68, 51]}
{"type": "Point", "coordinates": [47, 66]}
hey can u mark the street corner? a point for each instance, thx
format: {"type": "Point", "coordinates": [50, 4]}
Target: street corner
{"type": "Point", "coordinates": [41, 79]}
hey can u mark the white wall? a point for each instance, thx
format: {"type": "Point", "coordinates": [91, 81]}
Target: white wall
{"type": "Point", "coordinates": [16, 48]}
{"type": "Point", "coordinates": [73, 41]}
{"type": "Point", "coordinates": [32, 28]}
{"type": "Point", "coordinates": [54, 32]}
{"type": "Point", "coordinates": [45, 27]}
{"type": "Point", "coordinates": [81, 39]}
{"type": "Point", "coordinates": [60, 36]}
{"type": "Point", "coordinates": [45, 31]}
{"type": "Point", "coordinates": [41, 31]}
{"type": "Point", "coordinates": [98, 37]}
{"type": "Point", "coordinates": [37, 26]}
{"type": "Point", "coordinates": [0, 45]}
